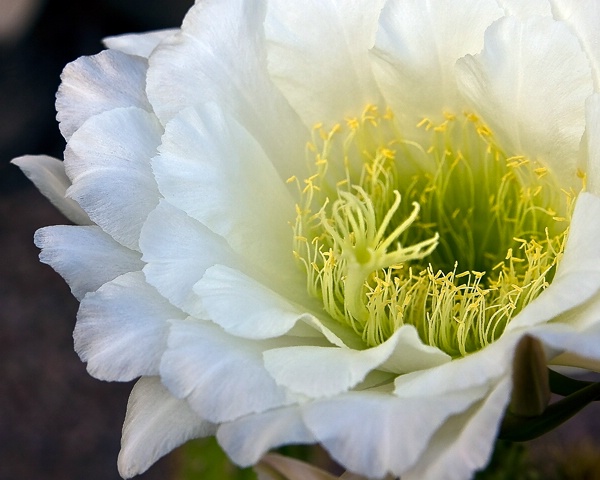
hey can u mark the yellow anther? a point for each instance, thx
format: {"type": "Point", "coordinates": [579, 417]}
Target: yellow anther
{"type": "Point", "coordinates": [353, 123]}
{"type": "Point", "coordinates": [425, 122]}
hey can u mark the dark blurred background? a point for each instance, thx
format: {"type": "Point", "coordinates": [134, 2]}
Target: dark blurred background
{"type": "Point", "coordinates": [56, 422]}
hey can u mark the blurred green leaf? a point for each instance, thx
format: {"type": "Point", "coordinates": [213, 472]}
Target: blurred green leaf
{"type": "Point", "coordinates": [205, 460]}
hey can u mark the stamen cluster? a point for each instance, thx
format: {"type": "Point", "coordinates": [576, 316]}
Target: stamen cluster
{"type": "Point", "coordinates": [449, 234]}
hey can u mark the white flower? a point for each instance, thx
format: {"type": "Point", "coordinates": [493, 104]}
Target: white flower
{"type": "Point", "coordinates": [288, 208]}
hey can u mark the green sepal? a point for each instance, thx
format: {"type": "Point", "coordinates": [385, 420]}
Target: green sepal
{"type": "Point", "coordinates": [531, 386]}
{"type": "Point", "coordinates": [520, 429]}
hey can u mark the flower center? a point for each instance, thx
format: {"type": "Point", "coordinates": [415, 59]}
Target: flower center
{"type": "Point", "coordinates": [449, 234]}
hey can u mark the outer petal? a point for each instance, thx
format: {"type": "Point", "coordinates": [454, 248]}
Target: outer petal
{"type": "Point", "coordinates": [92, 85]}
{"type": "Point", "coordinates": [48, 175]}
{"type": "Point", "coordinates": [86, 257]}
{"type": "Point", "coordinates": [416, 48]}
{"type": "Point", "coordinates": [211, 168]}
{"type": "Point", "coordinates": [178, 250]}
{"type": "Point", "coordinates": [583, 16]}
{"type": "Point", "coordinates": [373, 434]}
{"type": "Point", "coordinates": [140, 44]}
{"type": "Point", "coordinates": [207, 63]}
{"type": "Point", "coordinates": [108, 161]}
{"type": "Point", "coordinates": [248, 438]}
{"type": "Point", "coordinates": [530, 84]}
{"type": "Point", "coordinates": [318, 56]}
{"type": "Point", "coordinates": [566, 341]}
{"type": "Point", "coordinates": [592, 138]}
{"type": "Point", "coordinates": [156, 423]}
{"type": "Point", "coordinates": [222, 377]}
{"type": "Point", "coordinates": [122, 329]}
{"type": "Point", "coordinates": [464, 444]}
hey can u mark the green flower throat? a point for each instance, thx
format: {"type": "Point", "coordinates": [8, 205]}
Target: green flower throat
{"type": "Point", "coordinates": [449, 234]}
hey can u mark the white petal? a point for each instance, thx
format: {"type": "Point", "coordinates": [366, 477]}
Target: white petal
{"type": "Point", "coordinates": [592, 138]}
{"type": "Point", "coordinates": [411, 354]}
{"type": "Point", "coordinates": [122, 329]}
{"type": "Point", "coordinates": [481, 368]}
{"type": "Point", "coordinates": [222, 377]}
{"type": "Point", "coordinates": [86, 257]}
{"type": "Point", "coordinates": [48, 175]}
{"type": "Point", "coordinates": [465, 442]}
{"type": "Point", "coordinates": [373, 434]}
{"type": "Point", "coordinates": [140, 44]}
{"type": "Point", "coordinates": [416, 48]}
{"type": "Point", "coordinates": [582, 252]}
{"type": "Point", "coordinates": [92, 85]}
{"type": "Point", "coordinates": [207, 63]}
{"type": "Point", "coordinates": [248, 438]}
{"type": "Point", "coordinates": [560, 338]}
{"type": "Point", "coordinates": [178, 250]}
{"type": "Point", "coordinates": [578, 275]}
{"type": "Point", "coordinates": [583, 16]}
{"type": "Point", "coordinates": [156, 423]}
{"type": "Point", "coordinates": [530, 84]}
{"type": "Point", "coordinates": [243, 306]}
{"type": "Point", "coordinates": [108, 161]}
{"type": "Point", "coordinates": [521, 9]}
{"type": "Point", "coordinates": [318, 56]}
{"type": "Point", "coordinates": [211, 168]}
{"type": "Point", "coordinates": [326, 371]}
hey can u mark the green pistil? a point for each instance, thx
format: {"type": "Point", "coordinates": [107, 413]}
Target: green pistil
{"type": "Point", "coordinates": [454, 237]}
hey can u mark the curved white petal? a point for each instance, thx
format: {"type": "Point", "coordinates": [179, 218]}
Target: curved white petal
{"type": "Point", "coordinates": [85, 257]}
{"type": "Point", "coordinates": [592, 143]}
{"type": "Point", "coordinates": [108, 161]}
{"type": "Point", "coordinates": [221, 376]}
{"type": "Point", "coordinates": [411, 354]}
{"type": "Point", "coordinates": [140, 44]}
{"type": "Point", "coordinates": [211, 168]}
{"type": "Point", "coordinates": [583, 16]}
{"type": "Point", "coordinates": [96, 84]}
{"type": "Point", "coordinates": [530, 84]}
{"type": "Point", "coordinates": [48, 175]}
{"type": "Point", "coordinates": [416, 48]}
{"type": "Point", "coordinates": [156, 423]}
{"type": "Point", "coordinates": [480, 369]}
{"type": "Point", "coordinates": [207, 63]}
{"type": "Point", "coordinates": [248, 438]}
{"type": "Point", "coordinates": [177, 250]}
{"type": "Point", "coordinates": [374, 434]}
{"type": "Point", "coordinates": [578, 275]}
{"type": "Point", "coordinates": [318, 56]}
{"type": "Point", "coordinates": [465, 442]}
{"type": "Point", "coordinates": [326, 371]}
{"type": "Point", "coordinates": [244, 307]}
{"type": "Point", "coordinates": [561, 339]}
{"type": "Point", "coordinates": [122, 328]}
{"type": "Point", "coordinates": [319, 372]}
{"type": "Point", "coordinates": [574, 342]}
